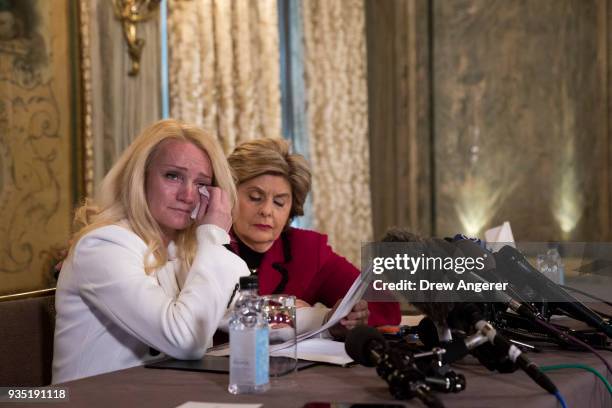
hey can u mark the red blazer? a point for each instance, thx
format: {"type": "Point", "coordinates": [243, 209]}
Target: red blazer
{"type": "Point", "coordinates": [301, 263]}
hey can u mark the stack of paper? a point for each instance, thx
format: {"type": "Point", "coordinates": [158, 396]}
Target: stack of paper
{"type": "Point", "coordinates": [321, 350]}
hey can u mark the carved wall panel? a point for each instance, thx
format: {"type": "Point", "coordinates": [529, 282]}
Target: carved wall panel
{"type": "Point", "coordinates": [38, 172]}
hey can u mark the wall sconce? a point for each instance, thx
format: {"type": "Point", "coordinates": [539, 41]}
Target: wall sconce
{"type": "Point", "coordinates": [131, 12]}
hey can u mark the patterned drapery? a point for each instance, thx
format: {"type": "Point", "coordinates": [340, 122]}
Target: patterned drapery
{"type": "Point", "coordinates": [336, 91]}
{"type": "Point", "coordinates": [224, 67]}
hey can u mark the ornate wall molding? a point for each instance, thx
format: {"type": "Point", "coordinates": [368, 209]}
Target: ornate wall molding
{"type": "Point", "coordinates": [37, 115]}
{"type": "Point", "coordinates": [87, 104]}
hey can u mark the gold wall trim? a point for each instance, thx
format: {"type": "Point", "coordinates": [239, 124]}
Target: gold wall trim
{"type": "Point", "coordinates": [88, 154]}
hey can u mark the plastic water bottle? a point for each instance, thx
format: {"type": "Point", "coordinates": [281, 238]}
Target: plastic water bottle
{"type": "Point", "coordinates": [551, 265]}
{"type": "Point", "coordinates": [558, 267]}
{"type": "Point", "coordinates": [249, 342]}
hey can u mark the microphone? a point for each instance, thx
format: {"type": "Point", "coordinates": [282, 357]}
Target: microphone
{"type": "Point", "coordinates": [367, 346]}
{"type": "Point", "coordinates": [459, 348]}
{"type": "Point", "coordinates": [469, 249]}
{"type": "Point", "coordinates": [472, 314]}
{"type": "Point", "coordinates": [579, 311]}
{"type": "Point", "coordinates": [456, 349]}
{"type": "Point", "coordinates": [512, 265]}
{"type": "Point", "coordinates": [514, 302]}
{"type": "Point", "coordinates": [437, 311]}
{"type": "Point", "coordinates": [428, 333]}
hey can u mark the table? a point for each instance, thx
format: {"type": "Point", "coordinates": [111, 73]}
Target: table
{"type": "Point", "coordinates": [141, 386]}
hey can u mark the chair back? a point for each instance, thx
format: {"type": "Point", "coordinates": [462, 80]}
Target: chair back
{"type": "Point", "coordinates": [26, 341]}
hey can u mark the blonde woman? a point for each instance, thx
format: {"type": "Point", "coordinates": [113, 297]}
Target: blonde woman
{"type": "Point", "coordinates": [149, 271]}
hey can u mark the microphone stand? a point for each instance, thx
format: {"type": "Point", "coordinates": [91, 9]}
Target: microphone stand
{"type": "Point", "coordinates": [405, 380]}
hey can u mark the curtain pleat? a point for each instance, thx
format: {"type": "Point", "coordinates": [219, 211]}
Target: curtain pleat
{"type": "Point", "coordinates": [224, 67]}
{"type": "Point", "coordinates": [336, 92]}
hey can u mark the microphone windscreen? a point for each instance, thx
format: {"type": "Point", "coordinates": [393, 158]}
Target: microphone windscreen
{"type": "Point", "coordinates": [455, 350]}
{"type": "Point", "coordinates": [360, 340]}
{"type": "Point", "coordinates": [428, 333]}
{"type": "Point", "coordinates": [464, 316]}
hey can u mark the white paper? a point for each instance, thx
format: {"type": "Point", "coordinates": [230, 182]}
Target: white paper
{"type": "Point", "coordinates": [193, 404]}
{"type": "Point", "coordinates": [354, 294]}
{"type": "Point", "coordinates": [320, 350]}
{"type": "Point", "coordinates": [203, 191]}
{"type": "Point", "coordinates": [316, 349]}
{"type": "Point", "coordinates": [498, 237]}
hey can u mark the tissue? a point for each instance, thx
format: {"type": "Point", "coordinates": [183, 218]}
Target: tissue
{"type": "Point", "coordinates": [204, 192]}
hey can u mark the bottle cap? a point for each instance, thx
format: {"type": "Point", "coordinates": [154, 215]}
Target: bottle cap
{"type": "Point", "coordinates": [249, 282]}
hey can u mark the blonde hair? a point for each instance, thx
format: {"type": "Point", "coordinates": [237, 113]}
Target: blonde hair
{"type": "Point", "coordinates": [271, 156]}
{"type": "Point", "coordinates": [122, 194]}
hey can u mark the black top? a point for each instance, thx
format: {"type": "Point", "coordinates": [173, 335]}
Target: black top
{"type": "Point", "coordinates": [251, 257]}
{"type": "Point", "coordinates": [254, 259]}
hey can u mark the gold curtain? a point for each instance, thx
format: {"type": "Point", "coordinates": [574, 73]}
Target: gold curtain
{"type": "Point", "coordinates": [224, 67]}
{"type": "Point", "coordinates": [337, 110]}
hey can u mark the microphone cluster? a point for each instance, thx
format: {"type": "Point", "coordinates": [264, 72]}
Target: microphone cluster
{"type": "Point", "coordinates": [527, 286]}
{"type": "Point", "coordinates": [408, 374]}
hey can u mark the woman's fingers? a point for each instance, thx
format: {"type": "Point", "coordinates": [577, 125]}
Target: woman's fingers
{"type": "Point", "coordinates": [218, 210]}
{"type": "Point", "coordinates": [358, 315]}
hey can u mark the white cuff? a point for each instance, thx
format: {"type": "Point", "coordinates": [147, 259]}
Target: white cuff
{"type": "Point", "coordinates": [212, 234]}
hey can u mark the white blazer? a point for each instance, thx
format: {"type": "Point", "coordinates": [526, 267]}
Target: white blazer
{"type": "Point", "coordinates": [109, 312]}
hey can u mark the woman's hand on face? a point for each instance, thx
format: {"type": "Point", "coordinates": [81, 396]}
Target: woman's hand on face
{"type": "Point", "coordinates": [216, 209]}
{"type": "Point", "coordinates": [358, 316]}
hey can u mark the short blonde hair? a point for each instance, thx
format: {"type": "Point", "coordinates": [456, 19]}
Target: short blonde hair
{"type": "Point", "coordinates": [271, 156]}
{"type": "Point", "coordinates": [122, 194]}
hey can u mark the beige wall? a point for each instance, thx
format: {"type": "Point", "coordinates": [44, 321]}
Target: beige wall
{"type": "Point", "coordinates": [484, 111]}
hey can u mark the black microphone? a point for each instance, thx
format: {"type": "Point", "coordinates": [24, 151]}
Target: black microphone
{"type": "Point", "coordinates": [367, 346]}
{"type": "Point", "coordinates": [455, 349]}
{"type": "Point", "coordinates": [469, 249]}
{"type": "Point", "coordinates": [459, 348]}
{"type": "Point", "coordinates": [512, 265]}
{"type": "Point", "coordinates": [428, 333]}
{"type": "Point", "coordinates": [437, 311]}
{"type": "Point", "coordinates": [510, 300]}
{"type": "Point", "coordinates": [472, 314]}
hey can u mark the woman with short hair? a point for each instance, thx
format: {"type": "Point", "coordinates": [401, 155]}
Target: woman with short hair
{"type": "Point", "coordinates": [272, 185]}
